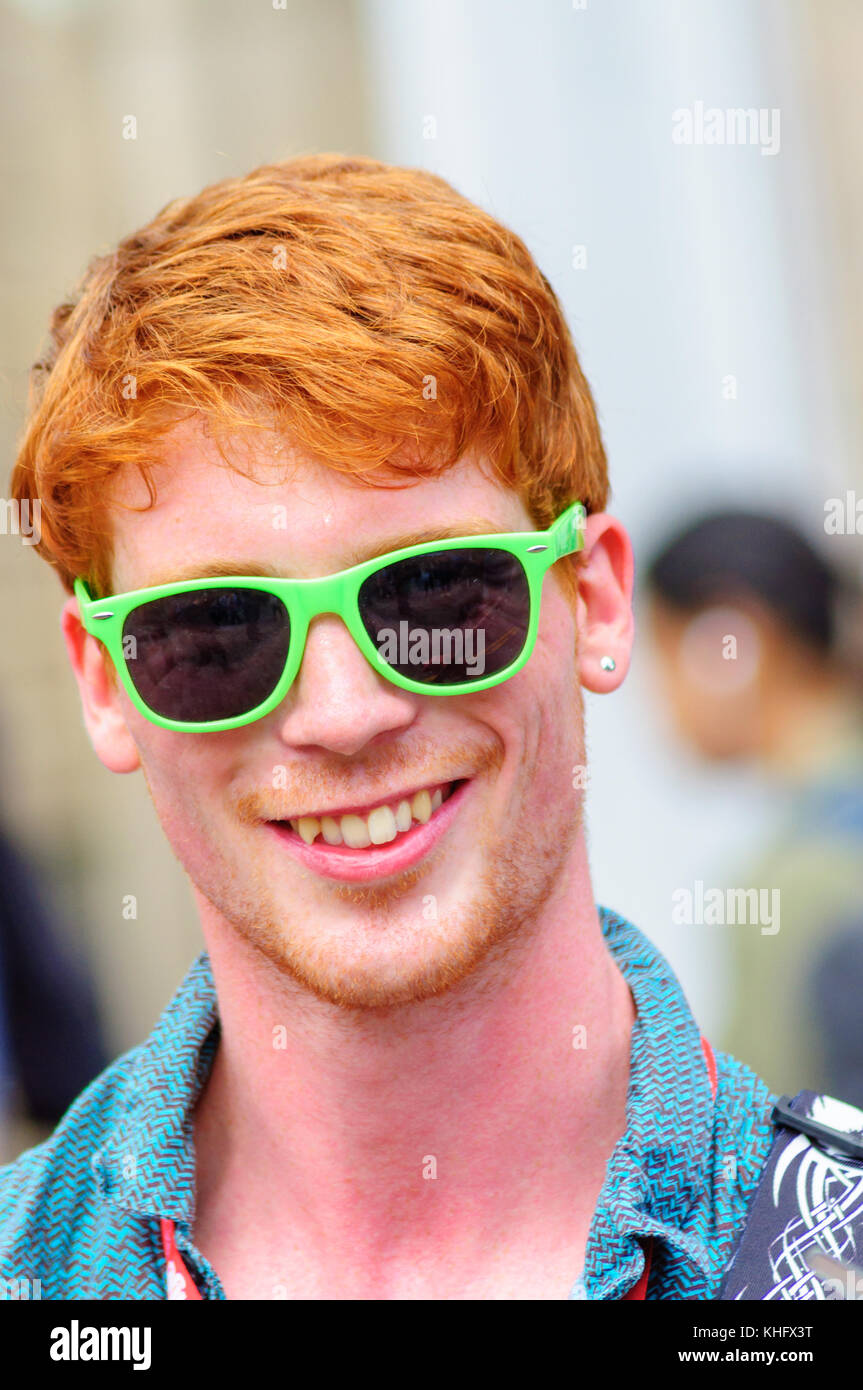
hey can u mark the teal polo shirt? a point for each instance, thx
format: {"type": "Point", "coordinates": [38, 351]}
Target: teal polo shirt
{"type": "Point", "coordinates": [81, 1212]}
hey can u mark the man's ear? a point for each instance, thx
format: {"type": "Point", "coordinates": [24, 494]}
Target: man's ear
{"type": "Point", "coordinates": [604, 609]}
{"type": "Point", "coordinates": [100, 695]}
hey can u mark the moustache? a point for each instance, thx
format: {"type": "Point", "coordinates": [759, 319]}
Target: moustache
{"type": "Point", "coordinates": [299, 790]}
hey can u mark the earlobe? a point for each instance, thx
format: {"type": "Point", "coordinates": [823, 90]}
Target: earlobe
{"type": "Point", "coordinates": [605, 621]}
{"type": "Point", "coordinates": [101, 701]}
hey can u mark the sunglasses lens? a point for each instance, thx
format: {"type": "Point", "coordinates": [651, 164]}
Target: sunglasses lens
{"type": "Point", "coordinates": [207, 654]}
{"type": "Point", "coordinates": [449, 617]}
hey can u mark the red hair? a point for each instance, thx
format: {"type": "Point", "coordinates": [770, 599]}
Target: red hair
{"type": "Point", "coordinates": [377, 317]}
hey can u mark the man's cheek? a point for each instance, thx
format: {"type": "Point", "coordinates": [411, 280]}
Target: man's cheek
{"type": "Point", "coordinates": [184, 804]}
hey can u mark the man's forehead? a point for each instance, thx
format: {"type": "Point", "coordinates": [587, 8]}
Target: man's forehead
{"type": "Point", "coordinates": [290, 515]}
{"type": "Point", "coordinates": [217, 568]}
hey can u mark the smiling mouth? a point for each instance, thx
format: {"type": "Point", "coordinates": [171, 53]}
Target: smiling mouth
{"type": "Point", "coordinates": [380, 825]}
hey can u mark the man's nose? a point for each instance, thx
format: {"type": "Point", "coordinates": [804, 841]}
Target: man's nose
{"type": "Point", "coordinates": [338, 701]}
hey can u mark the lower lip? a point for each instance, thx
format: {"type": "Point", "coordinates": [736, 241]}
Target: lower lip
{"type": "Point", "coordinates": [381, 861]}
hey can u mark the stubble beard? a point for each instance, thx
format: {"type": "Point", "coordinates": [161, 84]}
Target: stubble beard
{"type": "Point", "coordinates": [396, 945]}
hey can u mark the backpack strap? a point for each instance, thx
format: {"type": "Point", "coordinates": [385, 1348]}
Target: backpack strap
{"type": "Point", "coordinates": [803, 1236]}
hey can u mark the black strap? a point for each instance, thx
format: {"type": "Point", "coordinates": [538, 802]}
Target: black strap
{"type": "Point", "coordinates": [803, 1237]}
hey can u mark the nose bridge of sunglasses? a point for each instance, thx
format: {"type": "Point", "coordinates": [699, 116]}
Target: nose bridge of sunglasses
{"type": "Point", "coordinates": [316, 598]}
{"type": "Point", "coordinates": [331, 595]}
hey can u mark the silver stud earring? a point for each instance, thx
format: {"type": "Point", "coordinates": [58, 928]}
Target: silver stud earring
{"type": "Point", "coordinates": [608, 663]}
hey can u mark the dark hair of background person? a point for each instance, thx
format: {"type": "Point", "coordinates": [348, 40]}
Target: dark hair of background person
{"type": "Point", "coordinates": [735, 554]}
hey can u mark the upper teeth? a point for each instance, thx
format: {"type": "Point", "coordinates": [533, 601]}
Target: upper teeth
{"type": "Point", "coordinates": [377, 828]}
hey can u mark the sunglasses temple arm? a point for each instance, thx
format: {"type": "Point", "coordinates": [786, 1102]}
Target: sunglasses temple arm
{"type": "Point", "coordinates": [568, 531]}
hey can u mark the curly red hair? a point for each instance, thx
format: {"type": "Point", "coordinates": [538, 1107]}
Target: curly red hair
{"type": "Point", "coordinates": [377, 317]}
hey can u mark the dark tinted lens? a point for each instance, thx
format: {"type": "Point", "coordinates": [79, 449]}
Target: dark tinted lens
{"type": "Point", "coordinates": [209, 654]}
{"type": "Point", "coordinates": [449, 617]}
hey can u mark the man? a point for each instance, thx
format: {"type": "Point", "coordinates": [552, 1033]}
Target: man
{"type": "Point", "coordinates": [416, 1061]}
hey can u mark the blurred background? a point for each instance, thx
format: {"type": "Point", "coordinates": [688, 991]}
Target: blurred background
{"type": "Point", "coordinates": [713, 289]}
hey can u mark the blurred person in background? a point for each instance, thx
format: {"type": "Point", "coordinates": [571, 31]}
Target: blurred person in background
{"type": "Point", "coordinates": [51, 1042]}
{"type": "Point", "coordinates": [746, 620]}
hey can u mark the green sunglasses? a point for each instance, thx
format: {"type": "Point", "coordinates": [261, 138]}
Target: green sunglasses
{"type": "Point", "coordinates": [449, 617]}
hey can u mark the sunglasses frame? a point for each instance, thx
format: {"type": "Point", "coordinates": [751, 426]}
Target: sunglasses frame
{"type": "Point", "coordinates": [338, 593]}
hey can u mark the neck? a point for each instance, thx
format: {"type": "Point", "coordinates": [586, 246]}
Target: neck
{"type": "Point", "coordinates": [381, 1132]}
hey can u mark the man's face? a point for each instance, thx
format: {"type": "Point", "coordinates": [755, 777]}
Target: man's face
{"type": "Point", "coordinates": [411, 918]}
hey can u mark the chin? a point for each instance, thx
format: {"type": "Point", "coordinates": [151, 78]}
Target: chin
{"type": "Point", "coordinates": [426, 933]}
{"type": "Point", "coordinates": [379, 964]}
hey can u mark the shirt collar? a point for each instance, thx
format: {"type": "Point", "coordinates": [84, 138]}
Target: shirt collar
{"type": "Point", "coordinates": [656, 1174]}
{"type": "Point", "coordinates": [658, 1170]}
{"type": "Point", "coordinates": [147, 1163]}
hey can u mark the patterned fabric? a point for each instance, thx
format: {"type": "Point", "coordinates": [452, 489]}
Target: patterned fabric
{"type": "Point", "coordinates": [82, 1211]}
{"type": "Point", "coordinates": [804, 1235]}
